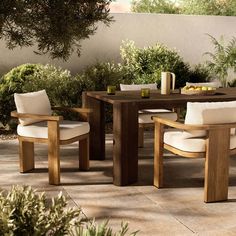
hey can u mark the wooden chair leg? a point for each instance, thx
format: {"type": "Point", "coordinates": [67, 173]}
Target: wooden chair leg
{"type": "Point", "coordinates": [140, 136]}
{"type": "Point", "coordinates": [217, 166]}
{"type": "Point", "coordinates": [53, 152]}
{"type": "Point", "coordinates": [178, 111]}
{"type": "Point", "coordinates": [26, 153]}
{"type": "Point", "coordinates": [158, 155]}
{"type": "Point", "coordinates": [84, 154]}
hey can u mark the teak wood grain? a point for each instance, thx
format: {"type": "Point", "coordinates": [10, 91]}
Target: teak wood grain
{"type": "Point", "coordinates": [97, 127]}
{"type": "Point", "coordinates": [83, 113]}
{"type": "Point", "coordinates": [53, 152]}
{"type": "Point", "coordinates": [216, 156]}
{"type": "Point", "coordinates": [125, 135]}
{"type": "Point", "coordinates": [84, 154]}
{"type": "Point", "coordinates": [158, 155]}
{"type": "Point", "coordinates": [95, 100]}
{"type": "Point", "coordinates": [217, 165]}
{"type": "Point", "coordinates": [26, 144]}
{"type": "Point", "coordinates": [26, 155]}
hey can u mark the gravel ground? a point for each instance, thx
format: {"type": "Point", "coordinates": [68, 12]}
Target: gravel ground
{"type": "Point", "coordinates": [6, 134]}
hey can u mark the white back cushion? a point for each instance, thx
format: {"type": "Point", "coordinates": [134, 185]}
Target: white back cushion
{"type": "Point", "coordinates": [209, 113]}
{"type": "Point", "coordinates": [219, 116]}
{"type": "Point", "coordinates": [129, 87]}
{"type": "Point", "coordinates": [33, 103]}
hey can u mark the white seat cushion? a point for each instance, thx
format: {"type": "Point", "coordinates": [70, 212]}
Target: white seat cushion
{"type": "Point", "coordinates": [130, 87]}
{"type": "Point", "coordinates": [179, 140]}
{"type": "Point", "coordinates": [68, 129]}
{"type": "Point", "coordinates": [145, 116]}
{"type": "Point", "coordinates": [33, 103]}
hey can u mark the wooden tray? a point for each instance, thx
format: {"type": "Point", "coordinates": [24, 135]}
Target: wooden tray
{"type": "Point", "coordinates": [198, 92]}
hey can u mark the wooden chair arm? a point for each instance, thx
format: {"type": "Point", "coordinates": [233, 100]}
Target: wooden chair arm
{"type": "Point", "coordinates": [83, 112]}
{"type": "Point", "coordinates": [73, 109]}
{"type": "Point", "coordinates": [36, 116]}
{"type": "Point", "coordinates": [182, 126]}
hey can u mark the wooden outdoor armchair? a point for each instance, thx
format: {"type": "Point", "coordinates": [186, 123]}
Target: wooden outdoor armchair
{"type": "Point", "coordinates": [215, 142]}
{"type": "Point", "coordinates": [52, 130]}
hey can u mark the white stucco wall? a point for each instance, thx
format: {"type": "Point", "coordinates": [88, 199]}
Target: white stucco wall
{"type": "Point", "coordinates": [185, 33]}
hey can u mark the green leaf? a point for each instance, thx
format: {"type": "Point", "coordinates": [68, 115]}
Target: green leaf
{"type": "Point", "coordinates": [57, 27]}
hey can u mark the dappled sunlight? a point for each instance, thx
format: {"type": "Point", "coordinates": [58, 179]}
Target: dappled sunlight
{"type": "Point", "coordinates": [177, 208]}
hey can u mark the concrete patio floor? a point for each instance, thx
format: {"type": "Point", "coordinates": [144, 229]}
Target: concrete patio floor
{"type": "Point", "coordinates": [177, 209]}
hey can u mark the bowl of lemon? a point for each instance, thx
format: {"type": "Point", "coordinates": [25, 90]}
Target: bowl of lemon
{"type": "Point", "coordinates": [198, 90]}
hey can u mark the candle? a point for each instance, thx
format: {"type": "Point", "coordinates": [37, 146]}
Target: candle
{"type": "Point", "coordinates": [145, 92]}
{"type": "Point", "coordinates": [111, 90]}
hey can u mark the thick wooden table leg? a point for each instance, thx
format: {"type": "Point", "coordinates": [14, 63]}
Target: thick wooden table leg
{"type": "Point", "coordinates": [158, 155]}
{"type": "Point", "coordinates": [217, 166]}
{"type": "Point", "coordinates": [125, 150]}
{"type": "Point", "coordinates": [97, 127]}
{"type": "Point", "coordinates": [53, 152]}
{"type": "Point", "coordinates": [140, 136]}
{"type": "Point", "coordinates": [84, 154]}
{"type": "Point", "coordinates": [26, 151]}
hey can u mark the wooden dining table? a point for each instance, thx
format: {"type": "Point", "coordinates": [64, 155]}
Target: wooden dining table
{"type": "Point", "coordinates": [126, 105]}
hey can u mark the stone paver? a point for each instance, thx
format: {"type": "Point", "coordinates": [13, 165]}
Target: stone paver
{"type": "Point", "coordinates": [177, 209]}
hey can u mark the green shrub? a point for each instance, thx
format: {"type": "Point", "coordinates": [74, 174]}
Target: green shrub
{"type": "Point", "coordinates": [144, 65]}
{"type": "Point", "coordinates": [100, 75]}
{"type": "Point", "coordinates": [189, 7]}
{"type": "Point", "coordinates": [9, 84]}
{"type": "Point", "coordinates": [24, 212]}
{"type": "Point", "coordinates": [232, 83]}
{"type": "Point", "coordinates": [138, 66]}
{"type": "Point", "coordinates": [61, 87]}
{"type": "Point", "coordinates": [223, 59]}
{"type": "Point", "coordinates": [155, 6]}
{"type": "Point", "coordinates": [200, 73]}
{"type": "Point", "coordinates": [208, 7]}
{"type": "Point", "coordinates": [94, 229]}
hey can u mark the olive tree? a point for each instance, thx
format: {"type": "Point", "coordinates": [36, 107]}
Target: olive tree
{"type": "Point", "coordinates": [57, 27]}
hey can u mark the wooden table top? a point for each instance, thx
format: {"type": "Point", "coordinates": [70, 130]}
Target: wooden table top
{"type": "Point", "coordinates": [156, 99]}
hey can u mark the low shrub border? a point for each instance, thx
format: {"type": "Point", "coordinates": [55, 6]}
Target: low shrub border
{"type": "Point", "coordinates": [23, 211]}
{"type": "Point", "coordinates": [139, 65]}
